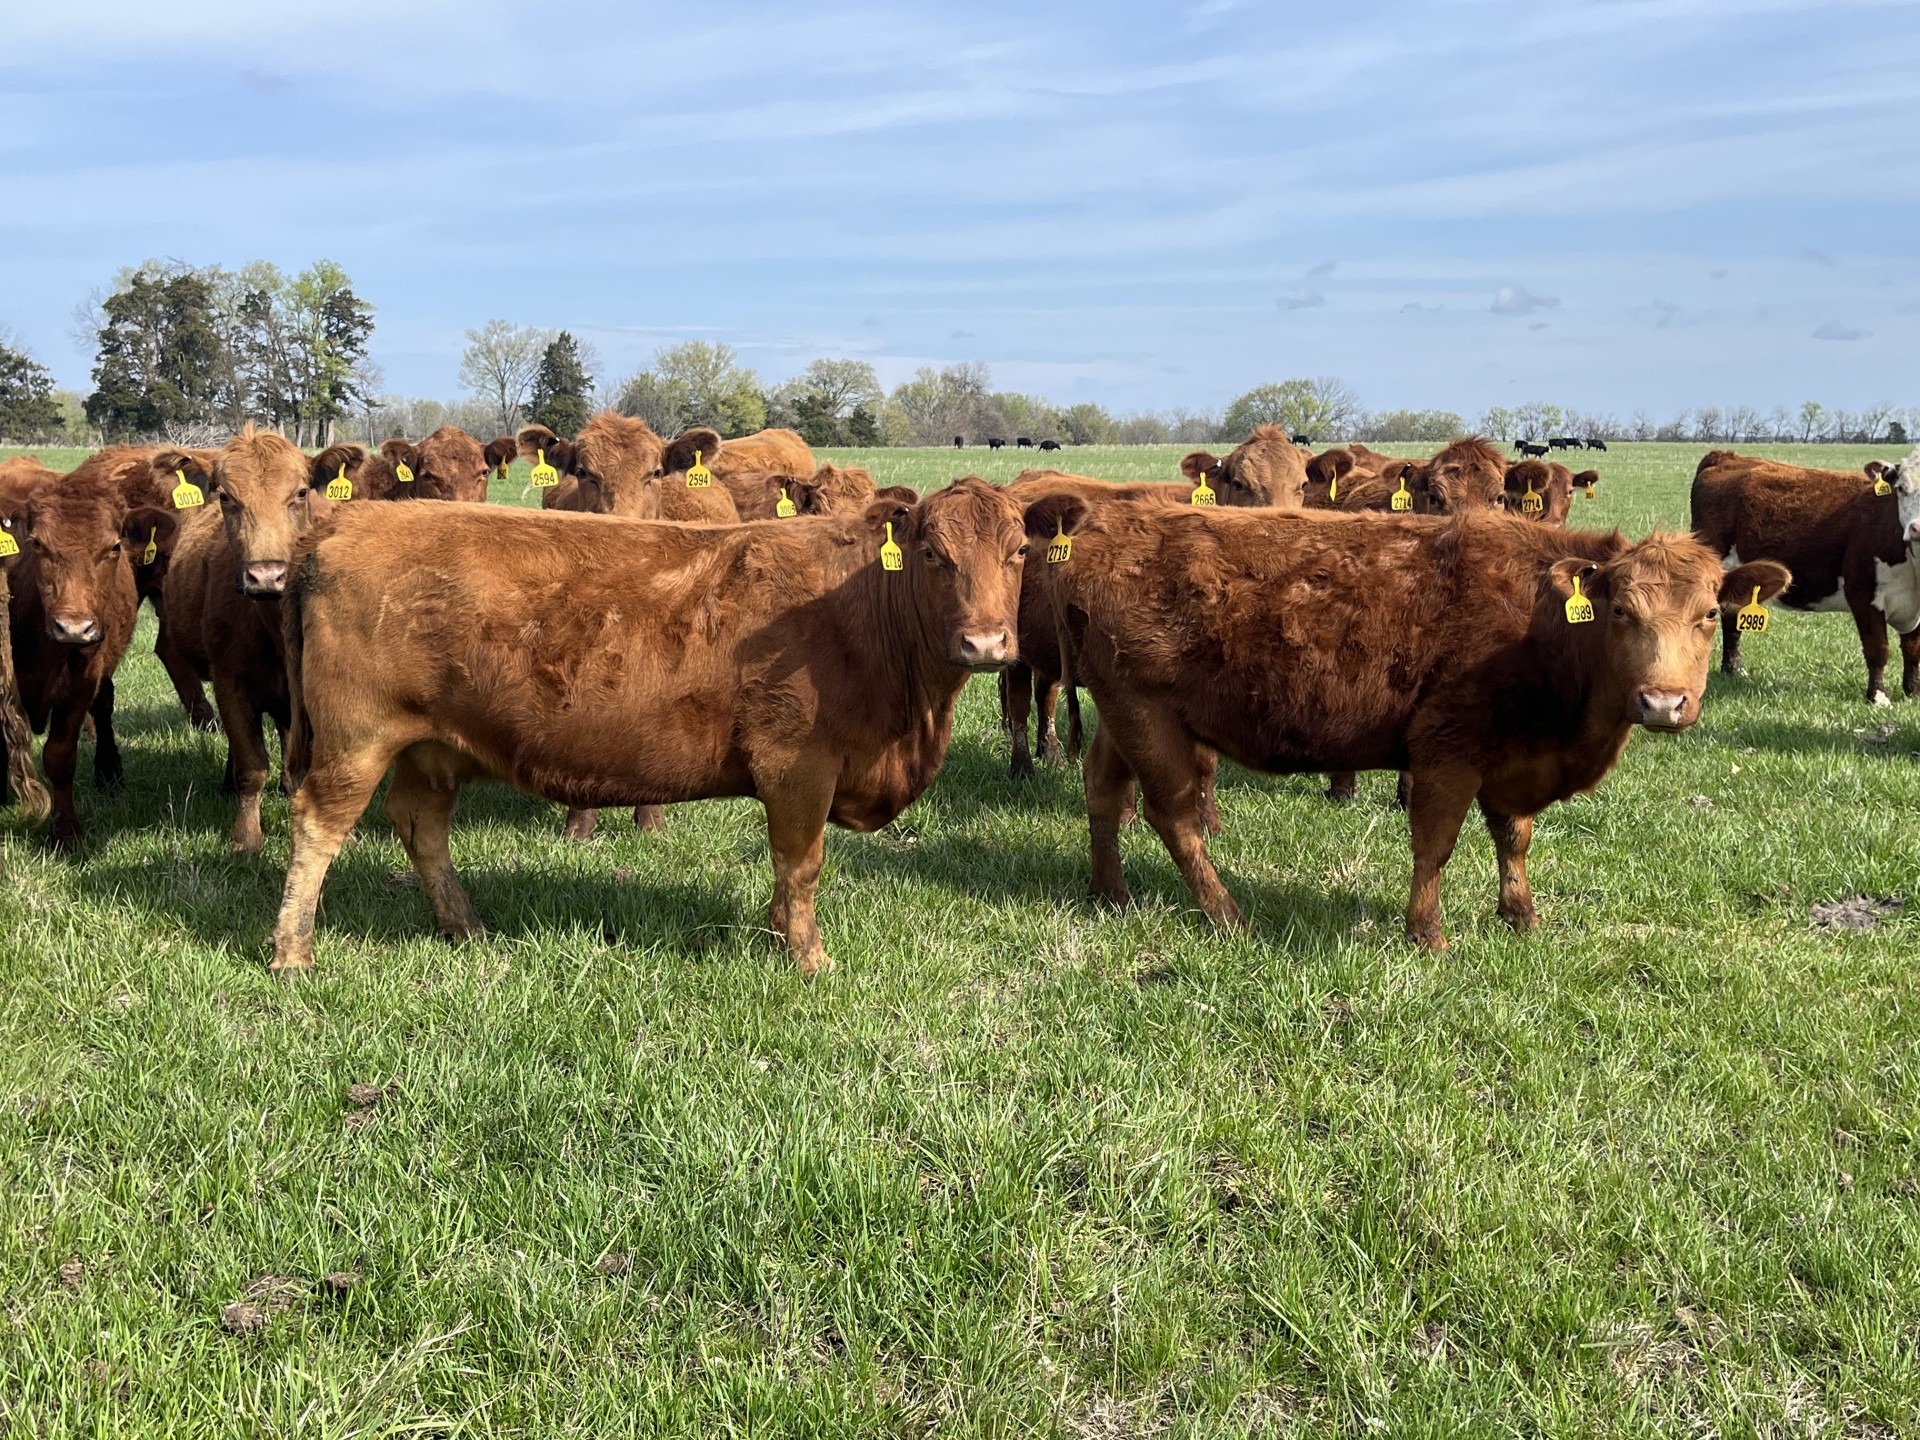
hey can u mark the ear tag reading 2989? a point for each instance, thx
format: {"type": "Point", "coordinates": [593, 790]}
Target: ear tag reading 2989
{"type": "Point", "coordinates": [786, 509]}
{"type": "Point", "coordinates": [1060, 548]}
{"type": "Point", "coordinates": [403, 473]}
{"type": "Point", "coordinates": [1579, 608]}
{"type": "Point", "coordinates": [544, 475]}
{"type": "Point", "coordinates": [186, 494]}
{"type": "Point", "coordinates": [890, 556]}
{"type": "Point", "coordinates": [1402, 498]}
{"type": "Point", "coordinates": [699, 478]}
{"type": "Point", "coordinates": [340, 487]}
{"type": "Point", "coordinates": [1203, 493]}
{"type": "Point", "coordinates": [1751, 618]}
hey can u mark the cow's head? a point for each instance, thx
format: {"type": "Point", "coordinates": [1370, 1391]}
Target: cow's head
{"type": "Point", "coordinates": [448, 465]}
{"type": "Point", "coordinates": [1328, 471]}
{"type": "Point", "coordinates": [268, 492]}
{"type": "Point", "coordinates": [1905, 480]}
{"type": "Point", "coordinates": [78, 546]}
{"type": "Point", "coordinates": [1267, 470]}
{"type": "Point", "coordinates": [1655, 608]}
{"type": "Point", "coordinates": [830, 490]}
{"type": "Point", "coordinates": [617, 461]}
{"type": "Point", "coordinates": [1468, 475]}
{"type": "Point", "coordinates": [962, 552]}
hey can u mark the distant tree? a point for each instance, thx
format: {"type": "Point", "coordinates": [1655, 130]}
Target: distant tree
{"type": "Point", "coordinates": [863, 427]}
{"type": "Point", "coordinates": [160, 357]}
{"type": "Point", "coordinates": [499, 366]}
{"type": "Point", "coordinates": [29, 411]}
{"type": "Point", "coordinates": [821, 400]}
{"type": "Point", "coordinates": [1707, 423]}
{"type": "Point", "coordinates": [1812, 415]}
{"type": "Point", "coordinates": [696, 384]}
{"type": "Point", "coordinates": [1677, 429]}
{"type": "Point", "coordinates": [939, 404]}
{"type": "Point", "coordinates": [1144, 428]}
{"type": "Point", "coordinates": [1420, 425]}
{"type": "Point", "coordinates": [560, 387]}
{"type": "Point", "coordinates": [1778, 424]}
{"type": "Point", "coordinates": [1323, 408]}
{"type": "Point", "coordinates": [1896, 432]}
{"type": "Point", "coordinates": [1641, 427]}
{"type": "Point", "coordinates": [1744, 424]}
{"type": "Point", "coordinates": [1087, 424]}
{"type": "Point", "coordinates": [1501, 423]}
{"type": "Point", "coordinates": [1539, 419]}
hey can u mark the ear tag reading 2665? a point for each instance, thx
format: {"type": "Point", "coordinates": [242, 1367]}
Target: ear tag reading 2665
{"type": "Point", "coordinates": [890, 556]}
{"type": "Point", "coordinates": [403, 473]}
{"type": "Point", "coordinates": [544, 475]}
{"type": "Point", "coordinates": [699, 478]}
{"type": "Point", "coordinates": [1751, 618]}
{"type": "Point", "coordinates": [152, 552]}
{"type": "Point", "coordinates": [1579, 608]}
{"type": "Point", "coordinates": [186, 494]}
{"type": "Point", "coordinates": [1402, 498]}
{"type": "Point", "coordinates": [1202, 493]}
{"type": "Point", "coordinates": [786, 509]}
{"type": "Point", "coordinates": [1060, 548]}
{"type": "Point", "coordinates": [1531, 503]}
{"type": "Point", "coordinates": [340, 487]}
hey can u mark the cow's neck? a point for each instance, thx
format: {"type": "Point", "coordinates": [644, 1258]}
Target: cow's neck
{"type": "Point", "coordinates": [913, 687]}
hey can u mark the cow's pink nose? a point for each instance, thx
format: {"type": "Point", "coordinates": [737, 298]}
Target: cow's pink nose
{"type": "Point", "coordinates": [982, 650]}
{"type": "Point", "coordinates": [264, 577]}
{"type": "Point", "coordinates": [1664, 709]}
{"type": "Point", "coordinates": [75, 629]}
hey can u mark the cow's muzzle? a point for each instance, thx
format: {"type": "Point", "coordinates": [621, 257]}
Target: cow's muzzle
{"type": "Point", "coordinates": [985, 650]}
{"type": "Point", "coordinates": [1665, 709]}
{"type": "Point", "coordinates": [74, 629]}
{"type": "Point", "coordinates": [263, 579]}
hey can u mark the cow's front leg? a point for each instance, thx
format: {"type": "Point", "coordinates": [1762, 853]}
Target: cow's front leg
{"type": "Point", "coordinates": [796, 835]}
{"type": "Point", "coordinates": [1512, 834]}
{"type": "Point", "coordinates": [1439, 803]}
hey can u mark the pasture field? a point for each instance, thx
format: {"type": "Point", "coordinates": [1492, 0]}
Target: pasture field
{"type": "Point", "coordinates": [1020, 1165]}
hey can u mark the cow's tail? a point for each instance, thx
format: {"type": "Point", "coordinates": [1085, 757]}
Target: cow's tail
{"type": "Point", "coordinates": [293, 629]}
{"type": "Point", "coordinates": [22, 774]}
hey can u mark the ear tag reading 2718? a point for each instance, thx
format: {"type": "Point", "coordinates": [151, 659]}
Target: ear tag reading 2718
{"type": "Point", "coordinates": [1579, 608]}
{"type": "Point", "coordinates": [1751, 618]}
{"type": "Point", "coordinates": [786, 509]}
{"type": "Point", "coordinates": [186, 494]}
{"type": "Point", "coordinates": [1402, 498]}
{"type": "Point", "coordinates": [1531, 503]}
{"type": "Point", "coordinates": [699, 478]}
{"type": "Point", "coordinates": [544, 475]}
{"type": "Point", "coordinates": [1203, 493]}
{"type": "Point", "coordinates": [1060, 548]}
{"type": "Point", "coordinates": [340, 487]}
{"type": "Point", "coordinates": [890, 556]}
{"type": "Point", "coordinates": [403, 473]}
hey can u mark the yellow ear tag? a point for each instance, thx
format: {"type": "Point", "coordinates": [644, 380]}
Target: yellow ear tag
{"type": "Point", "coordinates": [1203, 493]}
{"type": "Point", "coordinates": [339, 487]}
{"type": "Point", "coordinates": [1880, 487]}
{"type": "Point", "coordinates": [1751, 618]}
{"type": "Point", "coordinates": [1579, 608]}
{"type": "Point", "coordinates": [186, 494]}
{"type": "Point", "coordinates": [500, 471]}
{"type": "Point", "coordinates": [152, 552]}
{"type": "Point", "coordinates": [699, 478]}
{"type": "Point", "coordinates": [1589, 490]}
{"type": "Point", "coordinates": [1402, 498]}
{"type": "Point", "coordinates": [403, 473]}
{"type": "Point", "coordinates": [544, 475]}
{"type": "Point", "coordinates": [890, 556]}
{"type": "Point", "coordinates": [1333, 489]}
{"type": "Point", "coordinates": [786, 509]}
{"type": "Point", "coordinates": [1060, 548]}
{"type": "Point", "coordinates": [8, 545]}
{"type": "Point", "coordinates": [1531, 503]}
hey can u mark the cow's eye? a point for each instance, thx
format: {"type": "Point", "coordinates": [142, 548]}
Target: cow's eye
{"type": "Point", "coordinates": [1621, 611]}
{"type": "Point", "coordinates": [1021, 554]}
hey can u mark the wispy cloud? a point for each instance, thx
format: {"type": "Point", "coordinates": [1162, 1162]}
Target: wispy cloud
{"type": "Point", "coordinates": [1834, 330]}
{"type": "Point", "coordinates": [1518, 300]}
{"type": "Point", "coordinates": [1301, 300]}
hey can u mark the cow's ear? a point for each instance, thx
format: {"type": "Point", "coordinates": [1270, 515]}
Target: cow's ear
{"type": "Point", "coordinates": [397, 449]}
{"type": "Point", "coordinates": [169, 464]}
{"type": "Point", "coordinates": [501, 451]}
{"type": "Point", "coordinates": [533, 441]}
{"type": "Point", "coordinates": [905, 494]}
{"type": "Point", "coordinates": [1588, 478]}
{"type": "Point", "coordinates": [330, 461]}
{"type": "Point", "coordinates": [1770, 577]}
{"type": "Point", "coordinates": [149, 525]}
{"type": "Point", "coordinates": [1199, 463]}
{"type": "Point", "coordinates": [886, 512]}
{"type": "Point", "coordinates": [1592, 578]}
{"type": "Point", "coordinates": [1050, 515]}
{"type": "Point", "coordinates": [682, 450]}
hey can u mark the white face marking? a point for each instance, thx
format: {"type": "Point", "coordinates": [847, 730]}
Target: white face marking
{"type": "Point", "coordinates": [1906, 496]}
{"type": "Point", "coordinates": [1896, 591]}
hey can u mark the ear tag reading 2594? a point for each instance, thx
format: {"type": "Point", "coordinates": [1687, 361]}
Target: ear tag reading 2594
{"type": "Point", "coordinates": [890, 556]}
{"type": "Point", "coordinates": [544, 475]}
{"type": "Point", "coordinates": [1060, 548]}
{"type": "Point", "coordinates": [1202, 493]}
{"type": "Point", "coordinates": [403, 473]}
{"type": "Point", "coordinates": [1402, 498]}
{"type": "Point", "coordinates": [340, 487]}
{"type": "Point", "coordinates": [1751, 618]}
{"type": "Point", "coordinates": [699, 478]}
{"type": "Point", "coordinates": [786, 509]}
{"type": "Point", "coordinates": [186, 494]}
{"type": "Point", "coordinates": [1579, 608]}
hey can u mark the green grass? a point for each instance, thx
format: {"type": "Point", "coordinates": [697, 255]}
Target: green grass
{"type": "Point", "coordinates": [1020, 1165]}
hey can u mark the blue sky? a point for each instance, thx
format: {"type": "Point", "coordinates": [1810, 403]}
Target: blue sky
{"type": "Point", "coordinates": [1636, 203]}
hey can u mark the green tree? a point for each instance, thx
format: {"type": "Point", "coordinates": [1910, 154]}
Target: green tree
{"type": "Point", "coordinates": [498, 367]}
{"type": "Point", "coordinates": [29, 410]}
{"type": "Point", "coordinates": [1087, 424]}
{"type": "Point", "coordinates": [1812, 416]}
{"type": "Point", "coordinates": [696, 384]}
{"type": "Point", "coordinates": [821, 400]}
{"type": "Point", "coordinates": [160, 355]}
{"type": "Point", "coordinates": [1322, 408]}
{"type": "Point", "coordinates": [561, 387]}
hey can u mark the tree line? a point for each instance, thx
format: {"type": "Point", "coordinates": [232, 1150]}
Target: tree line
{"type": "Point", "coordinates": [189, 353]}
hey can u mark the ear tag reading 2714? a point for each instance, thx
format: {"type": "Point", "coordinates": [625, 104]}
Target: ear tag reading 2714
{"type": "Point", "coordinates": [1203, 493]}
{"type": "Point", "coordinates": [1060, 548]}
{"type": "Point", "coordinates": [340, 487]}
{"type": "Point", "coordinates": [699, 478]}
{"type": "Point", "coordinates": [1579, 608]}
{"type": "Point", "coordinates": [786, 509]}
{"type": "Point", "coordinates": [186, 494]}
{"type": "Point", "coordinates": [1402, 498]}
{"type": "Point", "coordinates": [1751, 618]}
{"type": "Point", "coordinates": [544, 475]}
{"type": "Point", "coordinates": [1531, 503]}
{"type": "Point", "coordinates": [890, 556]}
{"type": "Point", "coordinates": [403, 473]}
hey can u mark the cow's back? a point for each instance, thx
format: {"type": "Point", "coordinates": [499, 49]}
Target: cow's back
{"type": "Point", "coordinates": [766, 452]}
{"type": "Point", "coordinates": [1821, 524]}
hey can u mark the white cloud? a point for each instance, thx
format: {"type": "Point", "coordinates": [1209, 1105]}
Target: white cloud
{"type": "Point", "coordinates": [1834, 330]}
{"type": "Point", "coordinates": [1300, 300]}
{"type": "Point", "coordinates": [1518, 300]}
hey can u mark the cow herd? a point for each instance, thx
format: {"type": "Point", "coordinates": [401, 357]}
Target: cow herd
{"type": "Point", "coordinates": [698, 617]}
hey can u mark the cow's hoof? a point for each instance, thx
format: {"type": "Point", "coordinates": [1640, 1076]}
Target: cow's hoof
{"type": "Point", "coordinates": [291, 967]}
{"type": "Point", "coordinates": [1434, 940]}
{"type": "Point", "coordinates": [1022, 767]}
{"type": "Point", "coordinates": [1050, 751]}
{"type": "Point", "coordinates": [1343, 794]}
{"type": "Point", "coordinates": [1116, 895]}
{"type": "Point", "coordinates": [63, 842]}
{"type": "Point", "coordinates": [580, 825]}
{"type": "Point", "coordinates": [247, 844]}
{"type": "Point", "coordinates": [1910, 686]}
{"type": "Point", "coordinates": [461, 934]}
{"type": "Point", "coordinates": [1736, 670]}
{"type": "Point", "coordinates": [650, 818]}
{"type": "Point", "coordinates": [113, 781]}
{"type": "Point", "coordinates": [813, 966]}
{"type": "Point", "coordinates": [204, 719]}
{"type": "Point", "coordinates": [1521, 920]}
{"type": "Point", "coordinates": [1879, 697]}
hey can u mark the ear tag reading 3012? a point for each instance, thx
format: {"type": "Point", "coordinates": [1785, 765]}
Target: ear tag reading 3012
{"type": "Point", "coordinates": [786, 509]}
{"type": "Point", "coordinates": [699, 478]}
{"type": "Point", "coordinates": [403, 473]}
{"type": "Point", "coordinates": [152, 552]}
{"type": "Point", "coordinates": [340, 487]}
{"type": "Point", "coordinates": [1531, 503]}
{"type": "Point", "coordinates": [1060, 548]}
{"type": "Point", "coordinates": [1751, 618]}
{"type": "Point", "coordinates": [186, 494]}
{"type": "Point", "coordinates": [1579, 608]}
{"type": "Point", "coordinates": [890, 556]}
{"type": "Point", "coordinates": [544, 475]}
{"type": "Point", "coordinates": [1402, 498]}
{"type": "Point", "coordinates": [1202, 493]}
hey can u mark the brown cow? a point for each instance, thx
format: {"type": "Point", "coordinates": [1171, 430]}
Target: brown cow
{"type": "Point", "coordinates": [448, 465]}
{"type": "Point", "coordinates": [1537, 490]}
{"type": "Point", "coordinates": [1306, 642]}
{"type": "Point", "coordinates": [765, 452]}
{"type": "Point", "coordinates": [1265, 469]}
{"type": "Point", "coordinates": [598, 661]}
{"type": "Point", "coordinates": [1848, 547]}
{"type": "Point", "coordinates": [72, 612]}
{"type": "Point", "coordinates": [229, 569]}
{"type": "Point", "coordinates": [616, 465]}
{"type": "Point", "coordinates": [830, 490]}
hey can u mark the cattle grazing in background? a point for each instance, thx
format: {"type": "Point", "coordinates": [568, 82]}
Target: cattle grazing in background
{"type": "Point", "coordinates": [1049, 444]}
{"type": "Point", "coordinates": [72, 607]}
{"type": "Point", "coordinates": [995, 442]}
{"type": "Point", "coordinates": [448, 465]}
{"type": "Point", "coordinates": [1295, 643]}
{"type": "Point", "coordinates": [1562, 442]}
{"type": "Point", "coordinates": [830, 490]}
{"type": "Point", "coordinates": [959, 443]}
{"type": "Point", "coordinates": [603, 661]}
{"type": "Point", "coordinates": [1596, 445]}
{"type": "Point", "coordinates": [1302, 439]}
{"type": "Point", "coordinates": [1848, 547]}
{"type": "Point", "coordinates": [1527, 448]}
{"type": "Point", "coordinates": [616, 465]}
{"type": "Point", "coordinates": [229, 568]}
{"type": "Point", "coordinates": [1023, 443]}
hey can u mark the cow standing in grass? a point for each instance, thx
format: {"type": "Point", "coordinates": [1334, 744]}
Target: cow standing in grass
{"type": "Point", "coordinates": [600, 661]}
{"type": "Point", "coordinates": [1303, 642]}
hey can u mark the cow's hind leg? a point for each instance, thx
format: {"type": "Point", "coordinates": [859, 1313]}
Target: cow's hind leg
{"type": "Point", "coordinates": [1209, 807]}
{"type": "Point", "coordinates": [1047, 696]}
{"type": "Point", "coordinates": [1910, 662]}
{"type": "Point", "coordinates": [1512, 834]}
{"type": "Point", "coordinates": [1438, 805]}
{"type": "Point", "coordinates": [1872, 626]}
{"type": "Point", "coordinates": [1730, 644]}
{"type": "Point", "coordinates": [580, 824]}
{"type": "Point", "coordinates": [60, 757]}
{"type": "Point", "coordinates": [108, 772]}
{"type": "Point", "coordinates": [186, 684]}
{"type": "Point", "coordinates": [650, 817]}
{"type": "Point", "coordinates": [330, 800]}
{"type": "Point", "coordinates": [1016, 705]}
{"type": "Point", "coordinates": [1108, 781]}
{"type": "Point", "coordinates": [1342, 785]}
{"type": "Point", "coordinates": [1172, 769]}
{"type": "Point", "coordinates": [426, 782]}
{"type": "Point", "coordinates": [797, 810]}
